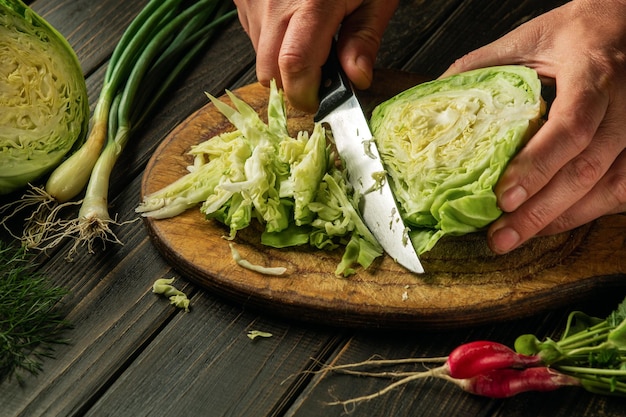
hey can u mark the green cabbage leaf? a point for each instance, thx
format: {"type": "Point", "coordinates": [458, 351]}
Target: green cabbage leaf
{"type": "Point", "coordinates": [445, 144]}
{"type": "Point", "coordinates": [44, 109]}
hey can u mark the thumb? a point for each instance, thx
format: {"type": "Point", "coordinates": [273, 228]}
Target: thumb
{"type": "Point", "coordinates": [516, 47]}
{"type": "Point", "coordinates": [359, 40]}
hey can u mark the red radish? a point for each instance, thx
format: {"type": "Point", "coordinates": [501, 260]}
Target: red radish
{"type": "Point", "coordinates": [475, 358]}
{"type": "Point", "coordinates": [483, 368]}
{"type": "Point", "coordinates": [504, 383]}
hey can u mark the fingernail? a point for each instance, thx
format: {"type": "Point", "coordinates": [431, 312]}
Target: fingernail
{"type": "Point", "coordinates": [512, 198]}
{"type": "Point", "coordinates": [364, 64]}
{"type": "Point", "coordinates": [504, 240]}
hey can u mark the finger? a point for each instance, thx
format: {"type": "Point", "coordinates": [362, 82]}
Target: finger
{"type": "Point", "coordinates": [574, 118]}
{"type": "Point", "coordinates": [251, 19]}
{"type": "Point", "coordinates": [561, 145]}
{"type": "Point", "coordinates": [607, 197]}
{"type": "Point", "coordinates": [360, 38]}
{"type": "Point", "coordinates": [527, 45]}
{"type": "Point", "coordinates": [243, 17]}
{"type": "Point", "coordinates": [303, 53]}
{"type": "Point", "coordinates": [570, 186]}
{"type": "Point", "coordinates": [268, 28]}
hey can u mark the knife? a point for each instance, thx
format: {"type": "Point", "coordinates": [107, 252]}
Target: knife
{"type": "Point", "coordinates": [340, 108]}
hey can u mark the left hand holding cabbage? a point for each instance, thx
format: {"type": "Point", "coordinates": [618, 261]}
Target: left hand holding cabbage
{"type": "Point", "coordinates": [574, 169]}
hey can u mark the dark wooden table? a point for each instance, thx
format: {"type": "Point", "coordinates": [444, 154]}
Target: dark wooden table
{"type": "Point", "coordinates": [132, 354]}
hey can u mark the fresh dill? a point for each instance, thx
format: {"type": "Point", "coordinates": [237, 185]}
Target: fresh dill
{"type": "Point", "coordinates": [31, 323]}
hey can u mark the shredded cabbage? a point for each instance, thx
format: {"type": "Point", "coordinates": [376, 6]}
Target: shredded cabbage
{"type": "Point", "coordinates": [291, 185]}
{"type": "Point", "coordinates": [445, 144]}
{"type": "Point", "coordinates": [43, 97]}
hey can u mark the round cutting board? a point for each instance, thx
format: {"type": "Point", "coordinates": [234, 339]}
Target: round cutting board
{"type": "Point", "coordinates": [464, 284]}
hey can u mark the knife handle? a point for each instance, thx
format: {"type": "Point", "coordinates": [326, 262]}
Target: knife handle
{"type": "Point", "coordinates": [335, 86]}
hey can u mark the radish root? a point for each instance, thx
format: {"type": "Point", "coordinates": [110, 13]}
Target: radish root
{"type": "Point", "coordinates": [404, 377]}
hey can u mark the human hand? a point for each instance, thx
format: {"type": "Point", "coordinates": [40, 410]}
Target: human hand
{"type": "Point", "coordinates": [574, 169]}
{"type": "Point", "coordinates": [292, 39]}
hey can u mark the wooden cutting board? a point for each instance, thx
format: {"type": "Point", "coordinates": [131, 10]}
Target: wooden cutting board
{"type": "Point", "coordinates": [464, 284]}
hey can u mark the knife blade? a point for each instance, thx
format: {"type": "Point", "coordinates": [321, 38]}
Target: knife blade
{"type": "Point", "coordinates": [340, 108]}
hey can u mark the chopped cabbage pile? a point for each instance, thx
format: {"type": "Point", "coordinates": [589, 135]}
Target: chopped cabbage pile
{"type": "Point", "coordinates": [291, 185]}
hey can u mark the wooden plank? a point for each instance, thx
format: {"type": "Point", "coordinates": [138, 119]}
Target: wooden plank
{"type": "Point", "coordinates": [88, 27]}
{"type": "Point", "coordinates": [570, 403]}
{"type": "Point", "coordinates": [204, 361]}
{"type": "Point", "coordinates": [473, 24]}
{"type": "Point", "coordinates": [414, 22]}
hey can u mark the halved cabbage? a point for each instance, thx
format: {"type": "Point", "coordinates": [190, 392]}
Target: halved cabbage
{"type": "Point", "coordinates": [445, 144]}
{"type": "Point", "coordinates": [44, 109]}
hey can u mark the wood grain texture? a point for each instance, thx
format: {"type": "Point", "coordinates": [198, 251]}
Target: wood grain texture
{"type": "Point", "coordinates": [465, 283]}
{"type": "Point", "coordinates": [471, 25]}
{"type": "Point", "coordinates": [204, 359]}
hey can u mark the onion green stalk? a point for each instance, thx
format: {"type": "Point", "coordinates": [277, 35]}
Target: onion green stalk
{"type": "Point", "coordinates": [160, 43]}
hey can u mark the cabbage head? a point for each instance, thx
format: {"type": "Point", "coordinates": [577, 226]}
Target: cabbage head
{"type": "Point", "coordinates": [44, 109]}
{"type": "Point", "coordinates": [445, 144]}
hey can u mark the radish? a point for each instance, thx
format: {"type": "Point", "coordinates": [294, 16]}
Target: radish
{"type": "Point", "coordinates": [475, 358]}
{"type": "Point", "coordinates": [504, 383]}
{"type": "Point", "coordinates": [485, 368]}
{"type": "Point", "coordinates": [591, 354]}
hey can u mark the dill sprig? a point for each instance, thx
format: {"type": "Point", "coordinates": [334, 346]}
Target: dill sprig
{"type": "Point", "coordinates": [30, 321]}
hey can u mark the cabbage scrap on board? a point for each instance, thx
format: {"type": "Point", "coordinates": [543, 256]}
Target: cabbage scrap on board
{"type": "Point", "coordinates": [44, 109]}
{"type": "Point", "coordinates": [445, 144]}
{"type": "Point", "coordinates": [291, 185]}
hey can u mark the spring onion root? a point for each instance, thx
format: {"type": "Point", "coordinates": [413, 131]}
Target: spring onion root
{"type": "Point", "coordinates": [159, 44]}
